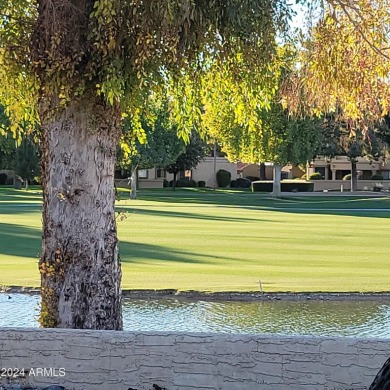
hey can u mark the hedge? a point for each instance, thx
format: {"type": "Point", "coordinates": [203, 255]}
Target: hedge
{"type": "Point", "coordinates": [315, 176]}
{"type": "Point", "coordinates": [286, 186]}
{"type": "Point", "coordinates": [243, 182]}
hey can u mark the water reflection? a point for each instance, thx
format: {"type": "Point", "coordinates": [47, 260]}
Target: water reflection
{"type": "Point", "coordinates": [315, 318]}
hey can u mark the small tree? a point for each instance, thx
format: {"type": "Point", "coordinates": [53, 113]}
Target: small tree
{"type": "Point", "coordinates": [194, 153]}
{"type": "Point", "coordinates": [341, 139]}
{"type": "Point", "coordinates": [26, 162]}
{"type": "Point", "coordinates": [156, 145]}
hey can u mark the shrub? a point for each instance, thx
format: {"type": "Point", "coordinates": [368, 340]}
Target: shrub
{"type": "Point", "coordinates": [315, 176]}
{"type": "Point", "coordinates": [262, 186]}
{"type": "Point", "coordinates": [233, 184]}
{"type": "Point", "coordinates": [201, 184]}
{"type": "Point", "coordinates": [376, 176]}
{"type": "Point", "coordinates": [223, 178]}
{"type": "Point", "coordinates": [165, 183]}
{"type": "Point", "coordinates": [347, 177]}
{"type": "Point", "coordinates": [286, 186]}
{"type": "Point", "coordinates": [252, 178]}
{"type": "Point", "coordinates": [186, 183]}
{"type": "Point", "coordinates": [3, 178]}
{"type": "Point", "coordinates": [243, 182]}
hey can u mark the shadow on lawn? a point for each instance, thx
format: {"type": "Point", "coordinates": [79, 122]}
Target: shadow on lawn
{"type": "Point", "coordinates": [19, 240]}
{"type": "Point", "coordinates": [14, 209]}
{"type": "Point", "coordinates": [322, 205]}
{"type": "Point", "coordinates": [177, 214]}
{"type": "Point", "coordinates": [131, 252]}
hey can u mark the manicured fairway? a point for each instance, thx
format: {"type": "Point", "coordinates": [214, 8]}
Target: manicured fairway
{"type": "Point", "coordinates": [228, 241]}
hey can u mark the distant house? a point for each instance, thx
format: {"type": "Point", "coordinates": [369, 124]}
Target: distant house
{"type": "Point", "coordinates": [337, 167]}
{"type": "Point", "coordinates": [253, 170]}
{"type": "Point", "coordinates": [204, 171]}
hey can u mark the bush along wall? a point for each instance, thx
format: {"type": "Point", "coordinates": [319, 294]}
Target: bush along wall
{"type": "Point", "coordinates": [3, 178]}
{"type": "Point", "coordinates": [286, 186]}
{"type": "Point", "coordinates": [315, 176]}
{"type": "Point", "coordinates": [186, 183]}
{"type": "Point", "coordinates": [223, 178]}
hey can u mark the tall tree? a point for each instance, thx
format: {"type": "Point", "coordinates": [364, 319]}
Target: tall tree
{"type": "Point", "coordinates": [339, 139]}
{"type": "Point", "coordinates": [271, 134]}
{"type": "Point", "coordinates": [77, 65]}
{"type": "Point", "coordinates": [344, 64]}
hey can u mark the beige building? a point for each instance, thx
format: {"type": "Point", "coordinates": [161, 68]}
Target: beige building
{"type": "Point", "coordinates": [154, 177]}
{"type": "Point", "coordinates": [253, 170]}
{"type": "Point", "coordinates": [339, 166]}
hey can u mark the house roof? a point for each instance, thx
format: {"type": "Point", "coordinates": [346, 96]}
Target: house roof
{"type": "Point", "coordinates": [241, 166]}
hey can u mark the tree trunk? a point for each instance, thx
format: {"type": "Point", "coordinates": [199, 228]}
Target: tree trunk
{"type": "Point", "coordinates": [133, 183]}
{"type": "Point", "coordinates": [277, 188]}
{"type": "Point", "coordinates": [262, 171]}
{"type": "Point", "coordinates": [174, 181]}
{"type": "Point", "coordinates": [79, 265]}
{"type": "Point", "coordinates": [353, 176]}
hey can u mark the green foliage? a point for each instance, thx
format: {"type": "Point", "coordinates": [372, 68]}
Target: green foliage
{"type": "Point", "coordinates": [194, 153]}
{"type": "Point", "coordinates": [242, 182]}
{"type": "Point", "coordinates": [233, 184]}
{"type": "Point", "coordinates": [315, 176]}
{"type": "Point", "coordinates": [3, 178]}
{"type": "Point", "coordinates": [124, 51]}
{"type": "Point", "coordinates": [223, 178]}
{"type": "Point", "coordinates": [286, 186]}
{"type": "Point", "coordinates": [270, 133]}
{"type": "Point", "coordinates": [376, 177]}
{"type": "Point", "coordinates": [201, 184]}
{"type": "Point", "coordinates": [156, 144]}
{"type": "Point", "coordinates": [26, 162]}
{"type": "Point", "coordinates": [186, 183]}
{"type": "Point", "coordinates": [344, 65]}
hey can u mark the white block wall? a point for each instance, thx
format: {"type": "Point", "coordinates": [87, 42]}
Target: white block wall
{"type": "Point", "coordinates": [107, 360]}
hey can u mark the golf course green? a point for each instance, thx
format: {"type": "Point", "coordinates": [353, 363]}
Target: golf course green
{"type": "Point", "coordinates": [195, 239]}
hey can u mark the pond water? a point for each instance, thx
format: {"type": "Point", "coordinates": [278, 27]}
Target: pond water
{"type": "Point", "coordinates": [313, 318]}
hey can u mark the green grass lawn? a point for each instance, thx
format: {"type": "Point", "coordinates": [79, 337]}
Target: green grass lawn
{"type": "Point", "coordinates": [227, 241]}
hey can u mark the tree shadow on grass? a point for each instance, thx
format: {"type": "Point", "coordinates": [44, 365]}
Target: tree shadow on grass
{"type": "Point", "coordinates": [178, 214]}
{"type": "Point", "coordinates": [15, 209]}
{"type": "Point", "coordinates": [19, 240]}
{"type": "Point", "coordinates": [22, 241]}
{"type": "Point", "coordinates": [132, 252]}
{"type": "Point", "coordinates": [364, 206]}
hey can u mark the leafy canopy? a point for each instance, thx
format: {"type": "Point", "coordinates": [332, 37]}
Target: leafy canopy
{"type": "Point", "coordinates": [57, 51]}
{"type": "Point", "coordinates": [344, 65]}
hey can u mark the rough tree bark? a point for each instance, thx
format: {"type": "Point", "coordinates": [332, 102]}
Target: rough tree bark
{"type": "Point", "coordinates": [79, 265]}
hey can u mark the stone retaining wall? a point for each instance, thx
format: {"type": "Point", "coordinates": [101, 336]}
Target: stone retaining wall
{"type": "Point", "coordinates": [107, 360]}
